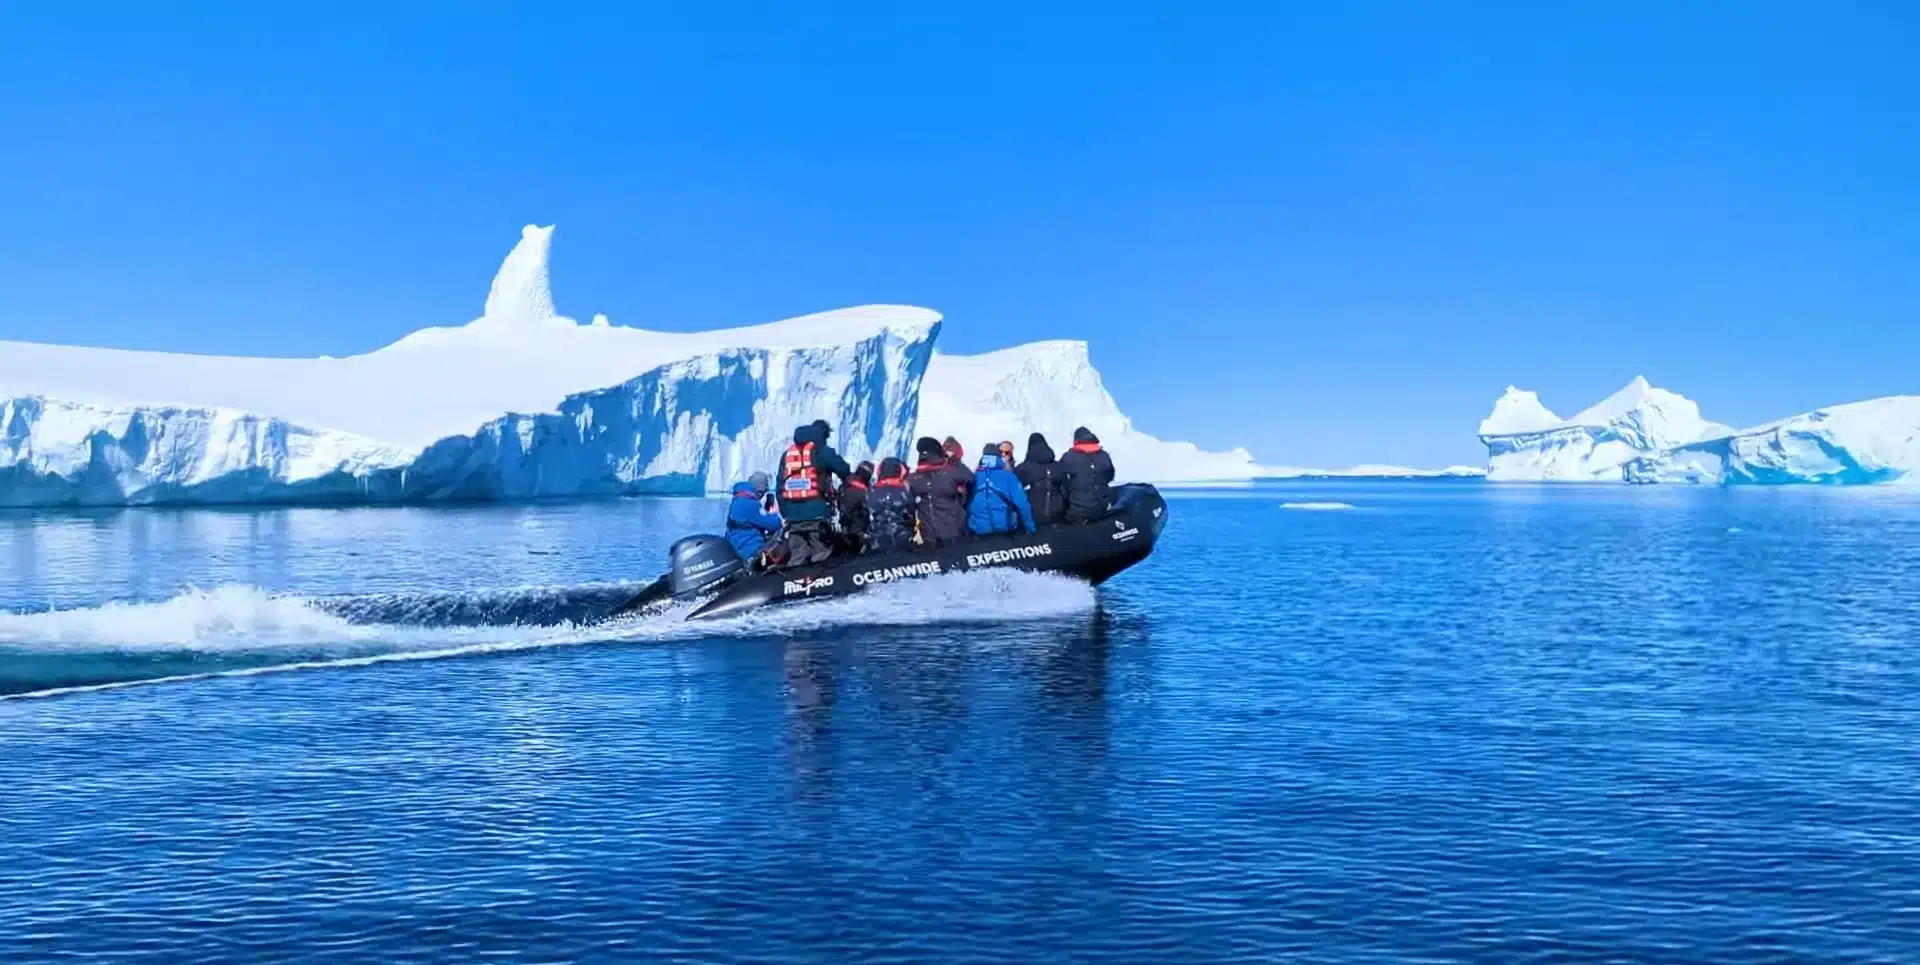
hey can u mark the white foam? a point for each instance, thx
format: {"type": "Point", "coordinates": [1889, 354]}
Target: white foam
{"type": "Point", "coordinates": [1319, 507]}
{"type": "Point", "coordinates": [216, 619]}
{"type": "Point", "coordinates": [233, 619]}
{"type": "Point", "coordinates": [977, 596]}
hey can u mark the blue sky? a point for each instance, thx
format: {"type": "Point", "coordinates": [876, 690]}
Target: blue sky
{"type": "Point", "coordinates": [1332, 233]}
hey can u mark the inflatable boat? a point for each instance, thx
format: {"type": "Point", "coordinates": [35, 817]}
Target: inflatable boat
{"type": "Point", "coordinates": [707, 566]}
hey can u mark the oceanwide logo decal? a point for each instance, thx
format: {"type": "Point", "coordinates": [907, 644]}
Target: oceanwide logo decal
{"type": "Point", "coordinates": [929, 568]}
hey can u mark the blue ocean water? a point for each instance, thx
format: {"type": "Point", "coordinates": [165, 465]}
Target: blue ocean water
{"type": "Point", "coordinates": [1327, 723]}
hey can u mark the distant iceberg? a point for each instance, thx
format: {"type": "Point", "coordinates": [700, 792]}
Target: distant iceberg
{"type": "Point", "coordinates": [1526, 441]}
{"type": "Point", "coordinates": [1373, 471]}
{"type": "Point", "coordinates": [1643, 434]}
{"type": "Point", "coordinates": [1861, 443]}
{"type": "Point", "coordinates": [524, 403]}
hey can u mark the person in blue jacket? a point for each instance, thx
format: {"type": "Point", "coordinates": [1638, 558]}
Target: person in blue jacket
{"type": "Point", "coordinates": [999, 503]}
{"type": "Point", "coordinates": [750, 524]}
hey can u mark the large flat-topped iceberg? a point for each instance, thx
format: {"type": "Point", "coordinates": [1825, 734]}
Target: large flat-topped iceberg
{"type": "Point", "coordinates": [1861, 443]}
{"type": "Point", "coordinates": [1053, 388]}
{"type": "Point", "coordinates": [522, 402]}
{"type": "Point", "coordinates": [1642, 434]}
{"type": "Point", "coordinates": [55, 452]}
{"type": "Point", "coordinates": [525, 402]}
{"type": "Point", "coordinates": [518, 356]}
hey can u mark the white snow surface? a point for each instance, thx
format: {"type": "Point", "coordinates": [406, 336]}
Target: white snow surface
{"type": "Point", "coordinates": [1517, 411]}
{"type": "Point", "coordinates": [522, 402]}
{"type": "Point", "coordinates": [520, 356]}
{"type": "Point", "coordinates": [1052, 388]}
{"type": "Point", "coordinates": [1644, 434]}
{"type": "Point", "coordinates": [1526, 442]}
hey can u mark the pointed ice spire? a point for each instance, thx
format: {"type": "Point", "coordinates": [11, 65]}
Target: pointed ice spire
{"type": "Point", "coordinates": [1628, 398]}
{"type": "Point", "coordinates": [520, 291]}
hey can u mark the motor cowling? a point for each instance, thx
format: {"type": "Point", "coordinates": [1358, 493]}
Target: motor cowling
{"type": "Point", "coordinates": [699, 562]}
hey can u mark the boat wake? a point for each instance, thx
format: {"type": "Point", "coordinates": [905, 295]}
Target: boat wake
{"type": "Point", "coordinates": [238, 630]}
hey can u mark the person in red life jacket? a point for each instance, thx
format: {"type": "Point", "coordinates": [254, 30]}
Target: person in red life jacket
{"type": "Point", "coordinates": [807, 472]}
{"type": "Point", "coordinates": [889, 509]}
{"type": "Point", "coordinates": [853, 507]}
{"type": "Point", "coordinates": [1044, 481]}
{"type": "Point", "coordinates": [1089, 477]}
{"type": "Point", "coordinates": [941, 488]}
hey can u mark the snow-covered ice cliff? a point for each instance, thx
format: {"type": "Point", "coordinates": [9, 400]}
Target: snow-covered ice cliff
{"type": "Point", "coordinates": [687, 427]}
{"type": "Point", "coordinates": [518, 356]}
{"type": "Point", "coordinates": [521, 402]}
{"type": "Point", "coordinates": [1860, 443]}
{"type": "Point", "coordinates": [1643, 434]}
{"type": "Point", "coordinates": [56, 453]}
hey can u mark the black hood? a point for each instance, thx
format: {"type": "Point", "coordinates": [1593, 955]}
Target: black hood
{"type": "Point", "coordinates": [809, 433]}
{"type": "Point", "coordinates": [928, 449]}
{"type": "Point", "coordinates": [1084, 435]}
{"type": "Point", "coordinates": [1037, 449]}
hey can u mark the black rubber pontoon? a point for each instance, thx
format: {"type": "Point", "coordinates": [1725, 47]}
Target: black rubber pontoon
{"type": "Point", "coordinates": [1092, 551]}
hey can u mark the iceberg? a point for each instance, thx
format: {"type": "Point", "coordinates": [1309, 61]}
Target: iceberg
{"type": "Point", "coordinates": [1860, 443]}
{"type": "Point", "coordinates": [54, 452]}
{"type": "Point", "coordinates": [1052, 387]}
{"type": "Point", "coordinates": [1526, 442]}
{"type": "Point", "coordinates": [1643, 434]}
{"type": "Point", "coordinates": [519, 403]}
{"type": "Point", "coordinates": [524, 402]}
{"type": "Point", "coordinates": [689, 427]}
{"type": "Point", "coordinates": [1375, 471]}
{"type": "Point", "coordinates": [518, 356]}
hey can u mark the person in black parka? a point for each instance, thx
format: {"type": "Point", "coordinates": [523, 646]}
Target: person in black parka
{"type": "Point", "coordinates": [1089, 477]}
{"type": "Point", "coordinates": [889, 509]}
{"type": "Point", "coordinates": [941, 488]}
{"type": "Point", "coordinates": [1044, 481]}
{"type": "Point", "coordinates": [853, 507]}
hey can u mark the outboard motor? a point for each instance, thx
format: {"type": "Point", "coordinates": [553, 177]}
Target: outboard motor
{"type": "Point", "coordinates": [699, 562]}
